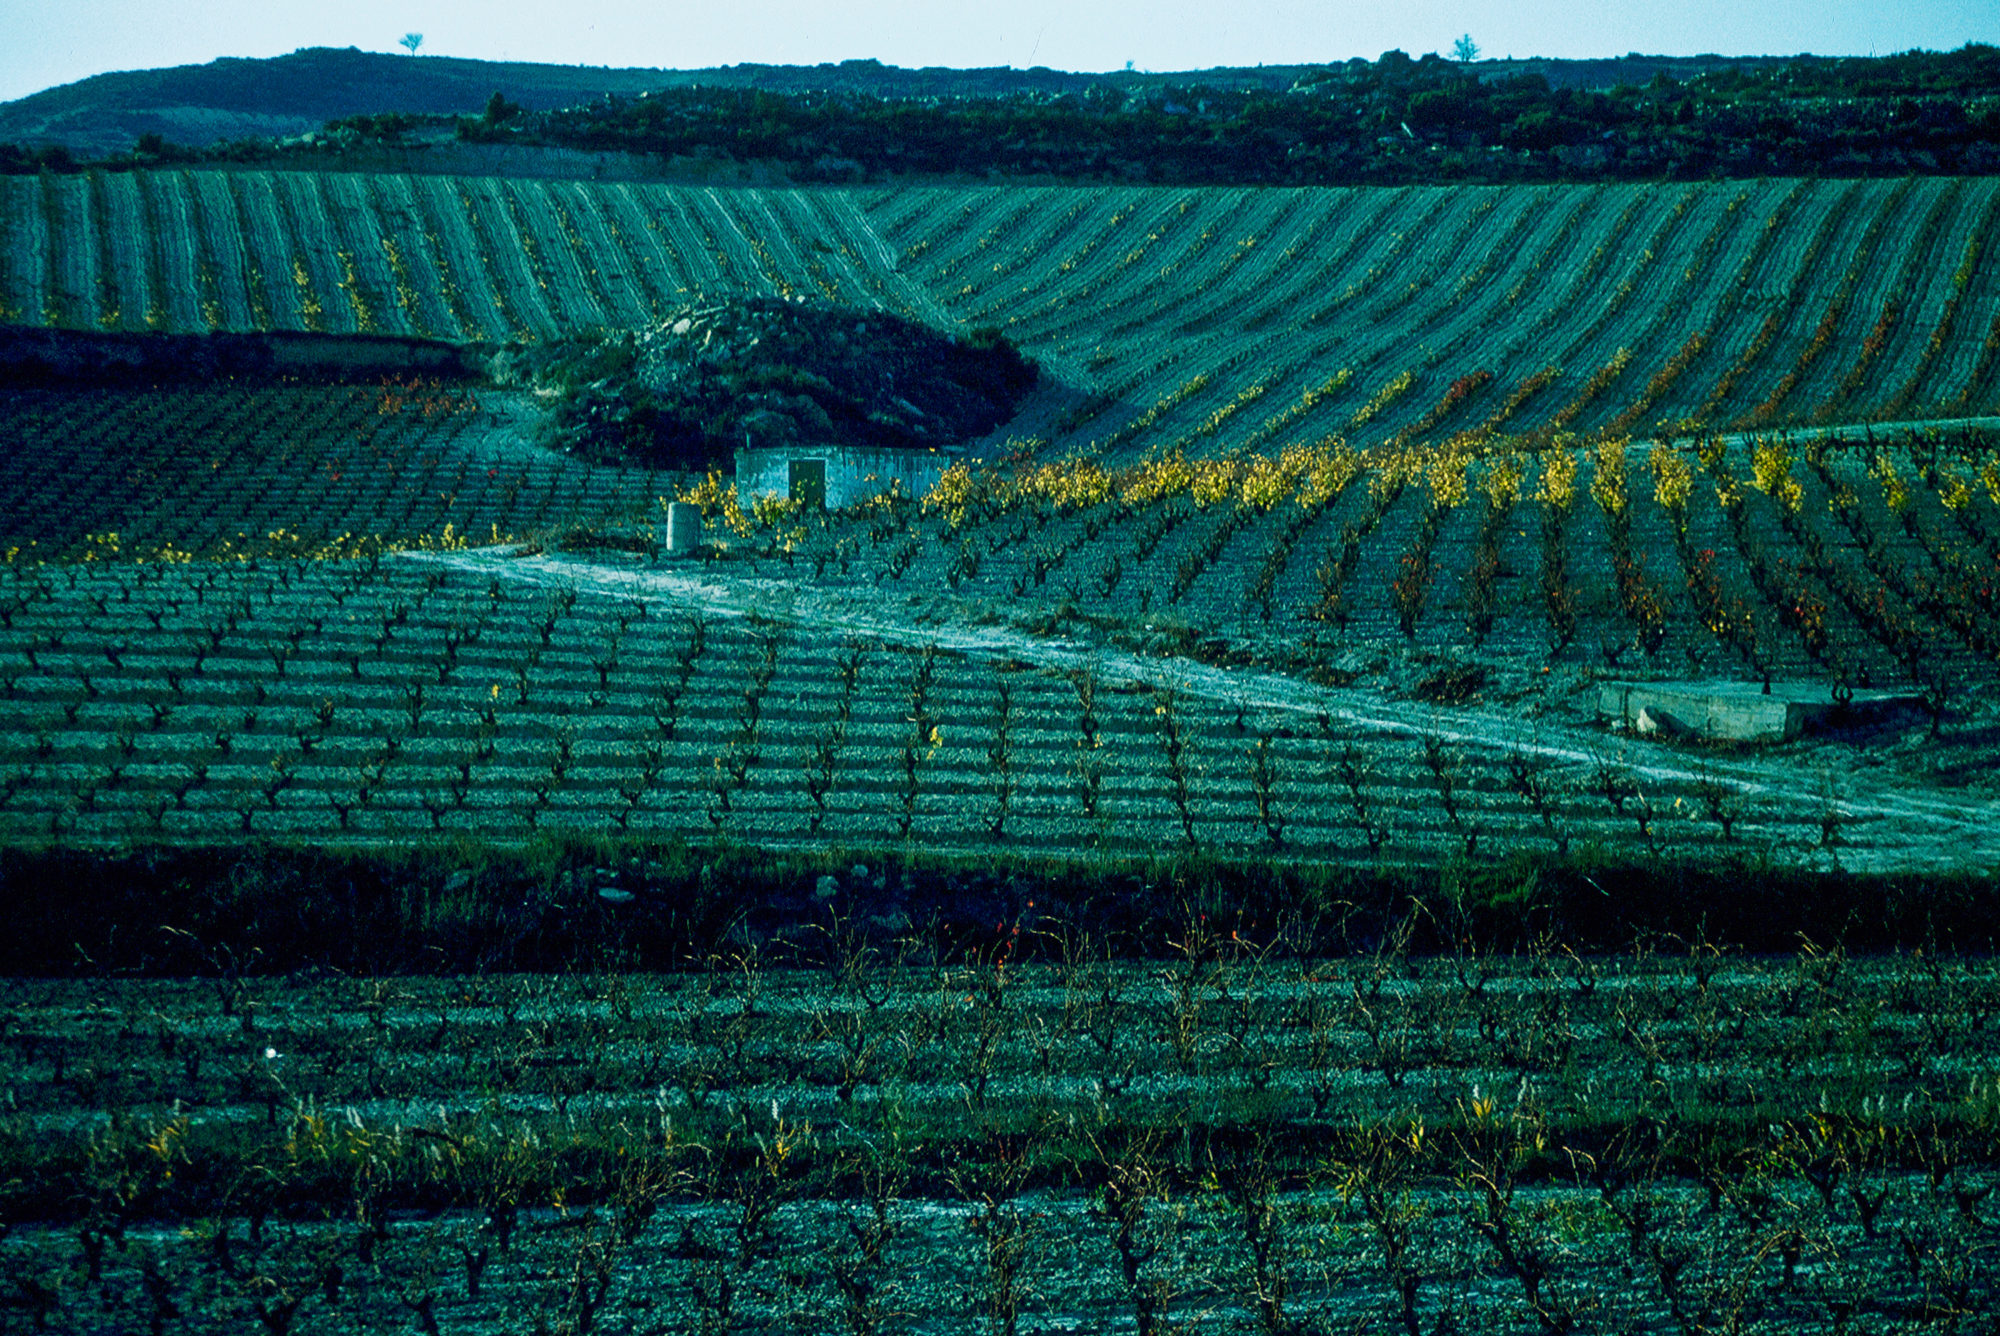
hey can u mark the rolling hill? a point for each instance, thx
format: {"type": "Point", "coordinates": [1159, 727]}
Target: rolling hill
{"type": "Point", "coordinates": [1201, 320]}
{"type": "Point", "coordinates": [286, 95]}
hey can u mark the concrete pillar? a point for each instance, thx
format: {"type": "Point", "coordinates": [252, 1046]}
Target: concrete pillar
{"type": "Point", "coordinates": [683, 528]}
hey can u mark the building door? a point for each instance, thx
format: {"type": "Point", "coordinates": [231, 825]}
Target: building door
{"type": "Point", "coordinates": [808, 483]}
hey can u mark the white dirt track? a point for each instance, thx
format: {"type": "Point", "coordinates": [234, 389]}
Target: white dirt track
{"type": "Point", "coordinates": [1907, 831]}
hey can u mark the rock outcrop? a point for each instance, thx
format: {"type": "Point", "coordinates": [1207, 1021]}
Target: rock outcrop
{"type": "Point", "coordinates": [774, 372]}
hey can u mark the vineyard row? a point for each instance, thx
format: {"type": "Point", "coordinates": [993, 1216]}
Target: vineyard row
{"type": "Point", "coordinates": [1199, 319]}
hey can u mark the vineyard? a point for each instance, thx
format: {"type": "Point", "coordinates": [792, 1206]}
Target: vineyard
{"type": "Point", "coordinates": [319, 614]}
{"type": "Point", "coordinates": [1172, 875]}
{"type": "Point", "coordinates": [329, 701]}
{"type": "Point", "coordinates": [1204, 320]}
{"type": "Point", "coordinates": [841, 1136]}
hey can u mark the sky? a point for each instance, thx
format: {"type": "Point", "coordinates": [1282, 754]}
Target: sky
{"type": "Point", "coordinates": [49, 43]}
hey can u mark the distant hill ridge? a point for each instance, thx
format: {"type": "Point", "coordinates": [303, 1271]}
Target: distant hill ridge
{"type": "Point", "coordinates": [204, 104]}
{"type": "Point", "coordinates": [233, 98]}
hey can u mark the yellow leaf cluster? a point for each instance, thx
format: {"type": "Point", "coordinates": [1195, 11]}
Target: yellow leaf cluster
{"type": "Point", "coordinates": [1895, 492]}
{"type": "Point", "coordinates": [1771, 473]}
{"type": "Point", "coordinates": [1607, 479]}
{"type": "Point", "coordinates": [1325, 471]}
{"type": "Point", "coordinates": [1212, 481]}
{"type": "Point", "coordinates": [716, 495]}
{"type": "Point", "coordinates": [1069, 485]}
{"type": "Point", "coordinates": [1673, 476]}
{"type": "Point", "coordinates": [1161, 478]}
{"type": "Point", "coordinates": [1444, 470]}
{"type": "Point", "coordinates": [951, 495]}
{"type": "Point", "coordinates": [1556, 487]}
{"type": "Point", "coordinates": [1502, 481]}
{"type": "Point", "coordinates": [1311, 475]}
{"type": "Point", "coordinates": [1954, 492]}
{"type": "Point", "coordinates": [1390, 469]}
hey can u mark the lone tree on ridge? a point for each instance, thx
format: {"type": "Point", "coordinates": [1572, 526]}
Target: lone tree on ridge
{"type": "Point", "coordinates": [1465, 49]}
{"type": "Point", "coordinates": [412, 40]}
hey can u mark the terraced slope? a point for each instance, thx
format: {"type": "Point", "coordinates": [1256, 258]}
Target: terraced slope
{"type": "Point", "coordinates": [370, 701]}
{"type": "Point", "coordinates": [1753, 557]}
{"type": "Point", "coordinates": [1327, 655]}
{"type": "Point", "coordinates": [1201, 319]}
{"type": "Point", "coordinates": [220, 473]}
{"type": "Point", "coordinates": [1213, 334]}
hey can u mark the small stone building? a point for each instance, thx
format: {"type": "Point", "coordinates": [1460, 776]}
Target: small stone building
{"type": "Point", "coordinates": [834, 476]}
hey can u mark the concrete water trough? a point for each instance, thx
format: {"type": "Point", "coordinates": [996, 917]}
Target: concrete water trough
{"type": "Point", "coordinates": [1737, 711]}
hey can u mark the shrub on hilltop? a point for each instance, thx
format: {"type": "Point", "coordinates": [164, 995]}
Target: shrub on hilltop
{"type": "Point", "coordinates": [769, 371]}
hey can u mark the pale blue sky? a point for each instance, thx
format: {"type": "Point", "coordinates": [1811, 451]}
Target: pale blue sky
{"type": "Point", "coordinates": [50, 42]}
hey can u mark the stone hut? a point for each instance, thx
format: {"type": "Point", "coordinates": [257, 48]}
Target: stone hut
{"type": "Point", "coordinates": [834, 476]}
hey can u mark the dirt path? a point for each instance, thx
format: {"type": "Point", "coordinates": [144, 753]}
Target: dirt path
{"type": "Point", "coordinates": [1935, 831]}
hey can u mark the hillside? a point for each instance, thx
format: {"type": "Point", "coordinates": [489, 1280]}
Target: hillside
{"type": "Point", "coordinates": [1204, 865]}
{"type": "Point", "coordinates": [1278, 431]}
{"type": "Point", "coordinates": [1394, 120]}
{"type": "Point", "coordinates": [203, 637]}
{"type": "Point", "coordinates": [231, 98]}
{"type": "Point", "coordinates": [1203, 321]}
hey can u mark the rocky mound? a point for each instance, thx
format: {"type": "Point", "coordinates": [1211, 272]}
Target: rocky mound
{"type": "Point", "coordinates": [772, 372]}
